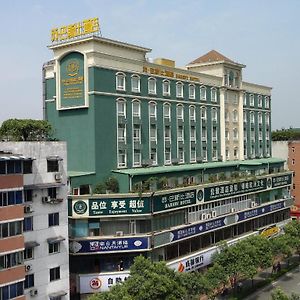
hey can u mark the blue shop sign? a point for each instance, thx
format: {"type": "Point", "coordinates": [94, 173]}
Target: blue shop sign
{"type": "Point", "coordinates": [109, 245]}
{"type": "Point", "coordinates": [260, 211]}
{"type": "Point", "coordinates": [189, 231]}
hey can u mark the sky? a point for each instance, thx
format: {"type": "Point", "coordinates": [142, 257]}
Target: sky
{"type": "Point", "coordinates": [262, 34]}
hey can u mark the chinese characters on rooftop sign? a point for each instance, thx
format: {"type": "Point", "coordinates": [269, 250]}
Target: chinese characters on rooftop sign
{"type": "Point", "coordinates": [75, 30]}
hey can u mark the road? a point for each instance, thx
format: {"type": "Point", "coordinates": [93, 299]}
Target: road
{"type": "Point", "coordinates": [289, 283]}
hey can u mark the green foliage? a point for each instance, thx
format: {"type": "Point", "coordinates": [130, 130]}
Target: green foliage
{"type": "Point", "coordinates": [286, 134]}
{"type": "Point", "coordinates": [279, 294]}
{"type": "Point", "coordinates": [100, 188]}
{"type": "Point", "coordinates": [110, 184]}
{"type": "Point", "coordinates": [25, 130]}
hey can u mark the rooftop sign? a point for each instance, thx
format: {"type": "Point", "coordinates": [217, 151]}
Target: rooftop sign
{"type": "Point", "coordinates": [79, 29]}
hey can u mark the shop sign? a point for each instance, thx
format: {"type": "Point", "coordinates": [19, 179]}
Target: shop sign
{"type": "Point", "coordinates": [260, 211]}
{"type": "Point", "coordinates": [270, 231]}
{"type": "Point", "coordinates": [76, 30]}
{"type": "Point", "coordinates": [189, 231]}
{"type": "Point", "coordinates": [95, 283]}
{"type": "Point", "coordinates": [282, 180]}
{"type": "Point", "coordinates": [174, 200]}
{"type": "Point", "coordinates": [233, 189]}
{"type": "Point", "coordinates": [109, 245]}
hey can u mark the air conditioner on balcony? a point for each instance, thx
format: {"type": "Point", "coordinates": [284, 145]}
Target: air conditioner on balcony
{"type": "Point", "coordinates": [58, 177]}
{"type": "Point", "coordinates": [28, 209]}
{"type": "Point", "coordinates": [203, 216]}
{"type": "Point", "coordinates": [33, 292]}
{"type": "Point", "coordinates": [46, 199]}
{"type": "Point", "coordinates": [233, 209]}
{"type": "Point", "coordinates": [119, 233]}
{"type": "Point", "coordinates": [28, 268]}
{"type": "Point", "coordinates": [253, 204]}
{"type": "Point", "coordinates": [208, 216]}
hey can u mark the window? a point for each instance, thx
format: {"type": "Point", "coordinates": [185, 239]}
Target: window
{"type": "Point", "coordinates": [153, 133]}
{"type": "Point", "coordinates": [204, 153]}
{"type": "Point", "coordinates": [245, 99]}
{"type": "Point", "coordinates": [136, 109]}
{"type": "Point", "coordinates": [227, 153]}
{"type": "Point", "coordinates": [120, 82]}
{"type": "Point", "coordinates": [260, 136]}
{"type": "Point", "coordinates": [167, 111]}
{"type": "Point", "coordinates": [54, 247]}
{"type": "Point", "coordinates": [153, 156]}
{"type": "Point", "coordinates": [214, 134]}
{"type": "Point", "coordinates": [167, 133]}
{"type": "Point", "coordinates": [136, 158]}
{"type": "Point", "coordinates": [52, 165]}
{"type": "Point", "coordinates": [259, 118]}
{"type": "Point", "coordinates": [235, 153]}
{"type": "Point", "coordinates": [13, 167]}
{"type": "Point", "coordinates": [181, 155]}
{"type": "Point", "coordinates": [235, 116]}
{"type": "Point", "coordinates": [152, 109]}
{"type": "Point", "coordinates": [135, 83]}
{"type": "Point", "coordinates": [29, 281]}
{"type": "Point", "coordinates": [180, 112]}
{"type": "Point", "coordinates": [227, 134]}
{"type": "Point", "coordinates": [152, 86]}
{"type": "Point", "coordinates": [179, 90]}
{"type": "Point", "coordinates": [213, 95]}
{"type": "Point", "coordinates": [235, 99]}
{"type": "Point", "coordinates": [28, 253]}
{"type": "Point", "coordinates": [259, 101]}
{"type": "Point", "coordinates": [11, 260]}
{"type": "Point", "coordinates": [52, 192]}
{"type": "Point", "coordinates": [53, 219]}
{"type": "Point", "coordinates": [54, 273]}
{"type": "Point", "coordinates": [193, 134]}
{"type": "Point", "coordinates": [167, 155]}
{"type": "Point", "coordinates": [204, 134]}
{"type": "Point", "coordinates": [203, 113]}
{"type": "Point", "coordinates": [226, 116]}
{"type": "Point", "coordinates": [214, 154]}
{"type": "Point", "coordinates": [121, 108]}
{"type": "Point", "coordinates": [192, 113]}
{"type": "Point", "coordinates": [121, 132]}
{"type": "Point", "coordinates": [267, 102]}
{"type": "Point", "coordinates": [193, 154]}
{"type": "Point", "coordinates": [11, 198]}
{"type": "Point", "coordinates": [180, 134]}
{"type": "Point", "coordinates": [235, 134]}
{"type": "Point", "coordinates": [293, 161]}
{"type": "Point", "coordinates": [28, 224]}
{"type": "Point", "coordinates": [12, 291]}
{"type": "Point", "coordinates": [192, 91]}
{"type": "Point", "coordinates": [27, 167]}
{"type": "Point", "coordinates": [252, 117]}
{"type": "Point", "coordinates": [267, 116]}
{"type": "Point", "coordinates": [202, 93]}
{"type": "Point", "coordinates": [245, 116]}
{"type": "Point", "coordinates": [251, 100]}
{"type": "Point", "coordinates": [27, 195]}
{"type": "Point", "coordinates": [137, 133]}
{"type": "Point", "coordinates": [2, 167]}
{"type": "Point", "coordinates": [214, 115]}
{"type": "Point", "coordinates": [293, 149]}
{"type": "Point", "coordinates": [122, 158]}
{"type": "Point", "coordinates": [166, 88]}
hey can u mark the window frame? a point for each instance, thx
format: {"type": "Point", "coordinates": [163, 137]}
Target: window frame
{"type": "Point", "coordinates": [53, 219]}
{"type": "Point", "coordinates": [169, 111]}
{"type": "Point", "coordinates": [135, 78]}
{"type": "Point", "coordinates": [152, 105]}
{"type": "Point", "coordinates": [122, 165]}
{"type": "Point", "coordinates": [119, 112]}
{"type": "Point", "coordinates": [136, 104]}
{"type": "Point", "coordinates": [54, 274]}
{"type": "Point", "coordinates": [203, 95]}
{"type": "Point", "coordinates": [123, 86]}
{"type": "Point", "coordinates": [213, 91]}
{"type": "Point", "coordinates": [166, 83]}
{"type": "Point", "coordinates": [192, 95]}
{"type": "Point", "coordinates": [179, 89]}
{"type": "Point", "coordinates": [152, 92]}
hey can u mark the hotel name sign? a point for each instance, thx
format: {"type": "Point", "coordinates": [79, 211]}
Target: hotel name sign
{"type": "Point", "coordinates": [75, 30]}
{"type": "Point", "coordinates": [167, 73]}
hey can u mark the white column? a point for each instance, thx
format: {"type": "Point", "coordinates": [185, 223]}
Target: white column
{"type": "Point", "coordinates": [241, 125]}
{"type": "Point", "coordinates": [222, 122]}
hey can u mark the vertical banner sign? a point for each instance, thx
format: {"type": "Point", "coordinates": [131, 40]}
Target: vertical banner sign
{"type": "Point", "coordinates": [72, 93]}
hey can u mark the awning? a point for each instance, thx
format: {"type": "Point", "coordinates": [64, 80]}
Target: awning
{"type": "Point", "coordinates": [31, 244]}
{"type": "Point", "coordinates": [52, 296]}
{"type": "Point", "coordinates": [55, 239]}
{"type": "Point", "coordinates": [43, 185]}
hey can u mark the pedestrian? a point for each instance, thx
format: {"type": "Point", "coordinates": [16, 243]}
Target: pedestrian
{"type": "Point", "coordinates": [278, 267]}
{"type": "Point", "coordinates": [239, 286]}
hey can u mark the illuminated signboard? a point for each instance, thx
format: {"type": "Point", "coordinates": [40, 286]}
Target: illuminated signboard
{"type": "Point", "coordinates": [79, 29]}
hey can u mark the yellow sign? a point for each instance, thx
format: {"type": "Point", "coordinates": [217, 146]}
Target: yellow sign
{"type": "Point", "coordinates": [270, 231]}
{"type": "Point", "coordinates": [167, 73]}
{"type": "Point", "coordinates": [75, 30]}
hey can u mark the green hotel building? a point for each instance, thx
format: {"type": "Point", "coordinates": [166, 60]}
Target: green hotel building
{"type": "Point", "coordinates": [190, 149]}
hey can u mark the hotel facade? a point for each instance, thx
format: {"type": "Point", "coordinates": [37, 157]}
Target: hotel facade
{"type": "Point", "coordinates": [190, 149]}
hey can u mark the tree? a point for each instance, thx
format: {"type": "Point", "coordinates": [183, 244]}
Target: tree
{"type": "Point", "coordinates": [292, 231]}
{"type": "Point", "coordinates": [279, 294]}
{"type": "Point", "coordinates": [25, 130]}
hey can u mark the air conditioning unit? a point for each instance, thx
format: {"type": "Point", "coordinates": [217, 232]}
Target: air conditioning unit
{"type": "Point", "coordinates": [33, 292]}
{"type": "Point", "coordinates": [208, 216]}
{"type": "Point", "coordinates": [46, 199]}
{"type": "Point", "coordinates": [232, 210]}
{"type": "Point", "coordinates": [28, 209]}
{"type": "Point", "coordinates": [58, 177]}
{"type": "Point", "coordinates": [119, 233]}
{"type": "Point", "coordinates": [175, 161]}
{"type": "Point", "coordinates": [28, 268]}
{"type": "Point", "coordinates": [253, 204]}
{"type": "Point", "coordinates": [213, 214]}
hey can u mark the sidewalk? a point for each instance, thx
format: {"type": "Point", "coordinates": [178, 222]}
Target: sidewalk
{"type": "Point", "coordinates": [261, 281]}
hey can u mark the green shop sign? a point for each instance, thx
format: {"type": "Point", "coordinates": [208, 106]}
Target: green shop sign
{"type": "Point", "coordinates": [72, 93]}
{"type": "Point", "coordinates": [174, 200]}
{"type": "Point", "coordinates": [110, 207]}
{"type": "Point", "coordinates": [282, 180]}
